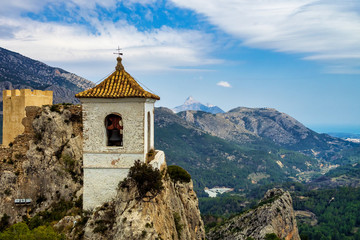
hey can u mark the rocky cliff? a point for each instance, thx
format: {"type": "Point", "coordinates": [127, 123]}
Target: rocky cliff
{"type": "Point", "coordinates": [44, 163]}
{"type": "Point", "coordinates": [273, 215]}
{"type": "Point", "coordinates": [173, 214]}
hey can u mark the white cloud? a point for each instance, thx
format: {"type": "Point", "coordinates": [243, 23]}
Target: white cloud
{"type": "Point", "coordinates": [157, 49]}
{"type": "Point", "coordinates": [322, 29]}
{"type": "Point", "coordinates": [224, 84]}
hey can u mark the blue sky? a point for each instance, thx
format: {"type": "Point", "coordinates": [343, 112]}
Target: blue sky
{"type": "Point", "coordinates": [301, 57]}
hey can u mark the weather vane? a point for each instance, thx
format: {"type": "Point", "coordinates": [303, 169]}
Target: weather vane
{"type": "Point", "coordinates": [118, 51]}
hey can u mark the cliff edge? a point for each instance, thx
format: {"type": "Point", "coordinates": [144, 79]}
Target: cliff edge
{"type": "Point", "coordinates": [273, 215]}
{"type": "Point", "coordinates": [173, 214]}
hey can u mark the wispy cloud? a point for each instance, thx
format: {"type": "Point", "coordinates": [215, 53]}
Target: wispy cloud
{"type": "Point", "coordinates": [224, 84]}
{"type": "Point", "coordinates": [320, 29]}
{"type": "Point", "coordinates": [163, 48]}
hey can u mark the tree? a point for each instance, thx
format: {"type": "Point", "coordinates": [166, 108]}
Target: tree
{"type": "Point", "coordinates": [147, 180]}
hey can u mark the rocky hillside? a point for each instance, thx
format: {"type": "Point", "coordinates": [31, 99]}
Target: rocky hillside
{"type": "Point", "coordinates": [274, 215]}
{"type": "Point", "coordinates": [18, 71]}
{"type": "Point", "coordinates": [173, 214]}
{"type": "Point", "coordinates": [45, 165]}
{"type": "Point", "coordinates": [243, 125]}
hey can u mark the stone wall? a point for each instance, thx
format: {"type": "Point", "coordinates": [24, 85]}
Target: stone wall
{"type": "Point", "coordinates": [14, 103]}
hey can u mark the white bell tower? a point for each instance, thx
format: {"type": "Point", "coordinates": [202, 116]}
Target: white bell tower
{"type": "Point", "coordinates": [118, 129]}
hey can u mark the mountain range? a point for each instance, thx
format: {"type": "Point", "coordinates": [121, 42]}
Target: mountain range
{"type": "Point", "coordinates": [245, 147]}
{"type": "Point", "coordinates": [18, 71]}
{"type": "Point", "coordinates": [192, 104]}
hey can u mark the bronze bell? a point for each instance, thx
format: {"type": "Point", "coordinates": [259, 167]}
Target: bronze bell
{"type": "Point", "coordinates": [115, 137]}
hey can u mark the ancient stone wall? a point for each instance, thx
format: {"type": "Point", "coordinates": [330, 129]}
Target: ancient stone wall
{"type": "Point", "coordinates": [14, 103]}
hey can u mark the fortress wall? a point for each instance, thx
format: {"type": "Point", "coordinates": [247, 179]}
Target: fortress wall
{"type": "Point", "coordinates": [14, 103]}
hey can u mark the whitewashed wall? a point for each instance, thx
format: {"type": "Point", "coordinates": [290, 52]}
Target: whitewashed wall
{"type": "Point", "coordinates": [105, 166]}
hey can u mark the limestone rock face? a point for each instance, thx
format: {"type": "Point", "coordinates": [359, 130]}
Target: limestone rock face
{"type": "Point", "coordinates": [173, 214]}
{"type": "Point", "coordinates": [44, 163]}
{"type": "Point", "coordinates": [274, 214]}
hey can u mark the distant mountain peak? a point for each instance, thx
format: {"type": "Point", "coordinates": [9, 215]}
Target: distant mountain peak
{"type": "Point", "coordinates": [190, 100]}
{"type": "Point", "coordinates": [192, 104]}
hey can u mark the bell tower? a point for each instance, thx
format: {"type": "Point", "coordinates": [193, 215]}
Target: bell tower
{"type": "Point", "coordinates": [118, 129]}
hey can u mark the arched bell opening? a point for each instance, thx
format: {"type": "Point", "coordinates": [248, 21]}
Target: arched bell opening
{"type": "Point", "coordinates": [114, 130]}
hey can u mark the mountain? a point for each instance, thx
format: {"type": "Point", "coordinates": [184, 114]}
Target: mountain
{"type": "Point", "coordinates": [214, 161]}
{"type": "Point", "coordinates": [246, 125]}
{"type": "Point", "coordinates": [18, 71]}
{"type": "Point", "coordinates": [246, 147]}
{"type": "Point", "coordinates": [191, 104]}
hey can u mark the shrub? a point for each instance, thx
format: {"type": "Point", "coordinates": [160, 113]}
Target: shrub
{"type": "Point", "coordinates": [271, 236]}
{"type": "Point", "coordinates": [146, 179]}
{"type": "Point", "coordinates": [178, 225]}
{"type": "Point", "coordinates": [178, 174]}
{"type": "Point", "coordinates": [57, 211]}
{"type": "Point", "coordinates": [100, 228]}
{"type": "Point", "coordinates": [41, 199]}
{"type": "Point", "coordinates": [75, 118]}
{"type": "Point", "coordinates": [22, 231]}
{"type": "Point", "coordinates": [38, 137]}
{"type": "Point", "coordinates": [19, 155]}
{"type": "Point", "coordinates": [69, 162]}
{"type": "Point", "coordinates": [55, 108]}
{"type": "Point", "coordinates": [79, 201]}
{"type": "Point", "coordinates": [7, 191]}
{"type": "Point", "coordinates": [4, 222]}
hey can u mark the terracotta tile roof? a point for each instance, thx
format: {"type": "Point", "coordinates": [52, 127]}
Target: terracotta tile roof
{"type": "Point", "coordinates": [120, 84]}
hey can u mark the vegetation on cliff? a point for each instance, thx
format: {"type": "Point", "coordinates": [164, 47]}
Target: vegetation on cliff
{"type": "Point", "coordinates": [148, 181]}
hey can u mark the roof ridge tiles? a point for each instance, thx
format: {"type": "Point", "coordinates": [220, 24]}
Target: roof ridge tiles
{"type": "Point", "coordinates": [120, 84]}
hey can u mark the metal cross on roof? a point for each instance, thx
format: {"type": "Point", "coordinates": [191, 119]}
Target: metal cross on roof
{"type": "Point", "coordinates": [118, 51]}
